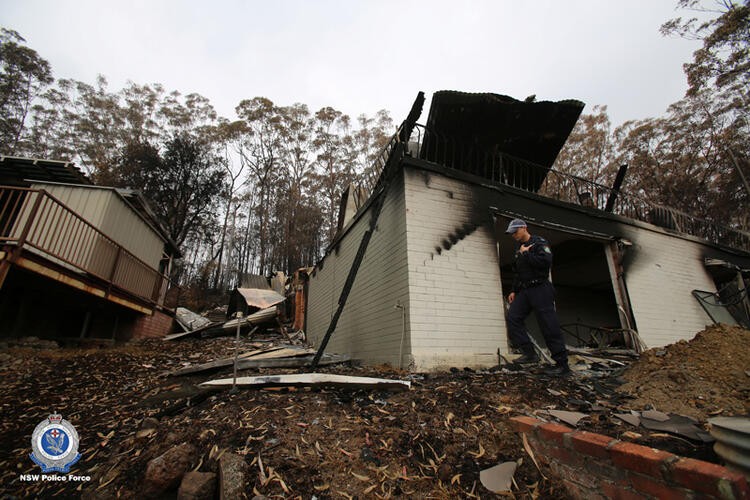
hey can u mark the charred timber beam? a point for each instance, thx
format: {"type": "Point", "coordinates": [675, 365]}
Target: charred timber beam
{"type": "Point", "coordinates": [616, 188]}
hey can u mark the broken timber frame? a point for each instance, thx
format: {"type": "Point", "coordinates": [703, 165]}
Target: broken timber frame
{"type": "Point", "coordinates": [380, 192]}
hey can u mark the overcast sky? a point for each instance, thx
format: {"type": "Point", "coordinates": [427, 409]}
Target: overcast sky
{"type": "Point", "coordinates": [360, 56]}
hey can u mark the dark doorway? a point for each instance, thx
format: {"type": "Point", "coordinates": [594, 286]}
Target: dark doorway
{"type": "Point", "coordinates": [585, 295]}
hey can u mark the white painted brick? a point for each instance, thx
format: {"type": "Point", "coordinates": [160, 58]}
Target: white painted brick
{"type": "Point", "coordinates": [370, 327]}
{"type": "Point", "coordinates": [663, 266]}
{"type": "Point", "coordinates": [467, 272]}
{"type": "Point", "coordinates": [455, 313]}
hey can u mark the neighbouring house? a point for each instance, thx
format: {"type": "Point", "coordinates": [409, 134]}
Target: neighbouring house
{"type": "Point", "coordinates": [79, 261]}
{"type": "Point", "coordinates": [433, 267]}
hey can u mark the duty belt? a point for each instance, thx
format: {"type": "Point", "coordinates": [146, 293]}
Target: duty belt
{"type": "Point", "coordinates": [531, 284]}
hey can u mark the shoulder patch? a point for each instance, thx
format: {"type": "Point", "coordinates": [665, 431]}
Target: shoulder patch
{"type": "Point", "coordinates": [547, 249]}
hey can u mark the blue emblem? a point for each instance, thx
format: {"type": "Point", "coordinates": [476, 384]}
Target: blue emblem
{"type": "Point", "coordinates": [55, 444]}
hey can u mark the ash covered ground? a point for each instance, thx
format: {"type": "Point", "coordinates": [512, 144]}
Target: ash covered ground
{"type": "Point", "coordinates": [430, 441]}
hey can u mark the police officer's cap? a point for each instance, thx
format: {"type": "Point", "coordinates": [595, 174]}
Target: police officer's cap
{"type": "Point", "coordinates": [514, 225]}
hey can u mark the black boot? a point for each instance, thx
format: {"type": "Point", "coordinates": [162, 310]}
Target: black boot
{"type": "Point", "coordinates": [527, 358]}
{"type": "Point", "coordinates": [557, 370]}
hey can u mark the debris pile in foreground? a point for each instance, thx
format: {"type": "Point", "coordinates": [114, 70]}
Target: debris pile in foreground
{"type": "Point", "coordinates": [706, 376]}
{"type": "Point", "coordinates": [446, 436]}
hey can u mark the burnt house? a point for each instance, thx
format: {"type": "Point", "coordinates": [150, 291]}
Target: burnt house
{"type": "Point", "coordinates": [79, 261]}
{"type": "Point", "coordinates": [418, 276]}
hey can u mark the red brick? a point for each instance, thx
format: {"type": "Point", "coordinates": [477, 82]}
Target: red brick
{"type": "Point", "coordinates": [604, 469]}
{"type": "Point", "coordinates": [564, 456]}
{"type": "Point", "coordinates": [709, 478]}
{"type": "Point", "coordinates": [576, 491]}
{"type": "Point", "coordinates": [577, 475]}
{"type": "Point", "coordinates": [619, 492]}
{"type": "Point", "coordinates": [553, 432]}
{"type": "Point", "coordinates": [590, 443]}
{"type": "Point", "coordinates": [735, 488]}
{"type": "Point", "coordinates": [525, 424]}
{"type": "Point", "coordinates": [640, 458]}
{"type": "Point", "coordinates": [658, 489]}
{"type": "Point", "coordinates": [539, 448]}
{"type": "Point", "coordinates": [156, 325]}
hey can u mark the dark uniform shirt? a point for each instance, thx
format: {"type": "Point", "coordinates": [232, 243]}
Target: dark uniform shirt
{"type": "Point", "coordinates": [532, 267]}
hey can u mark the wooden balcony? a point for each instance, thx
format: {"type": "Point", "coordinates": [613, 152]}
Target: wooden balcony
{"type": "Point", "coordinates": [42, 235]}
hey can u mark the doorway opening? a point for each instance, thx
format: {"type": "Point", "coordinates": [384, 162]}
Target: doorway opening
{"type": "Point", "coordinates": [590, 296]}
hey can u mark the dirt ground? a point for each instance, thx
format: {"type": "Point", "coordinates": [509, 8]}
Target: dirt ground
{"type": "Point", "coordinates": [706, 376]}
{"type": "Point", "coordinates": [431, 441]}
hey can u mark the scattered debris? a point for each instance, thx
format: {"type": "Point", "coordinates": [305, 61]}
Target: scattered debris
{"type": "Point", "coordinates": [220, 363]}
{"type": "Point", "coordinates": [499, 479]}
{"type": "Point", "coordinates": [633, 418]}
{"type": "Point", "coordinates": [312, 379]}
{"type": "Point", "coordinates": [633, 436]}
{"type": "Point", "coordinates": [655, 415]}
{"type": "Point", "coordinates": [251, 300]}
{"type": "Point", "coordinates": [292, 362]}
{"type": "Point", "coordinates": [272, 357]}
{"type": "Point", "coordinates": [433, 440]}
{"type": "Point", "coordinates": [732, 436]}
{"type": "Point", "coordinates": [679, 425]}
{"type": "Point", "coordinates": [189, 320]}
{"type": "Point", "coordinates": [569, 417]}
{"type": "Point", "coordinates": [217, 314]}
{"type": "Point", "coordinates": [228, 327]}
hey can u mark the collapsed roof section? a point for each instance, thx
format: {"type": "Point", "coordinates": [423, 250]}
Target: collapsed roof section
{"type": "Point", "coordinates": [463, 129]}
{"type": "Point", "coordinates": [17, 171]}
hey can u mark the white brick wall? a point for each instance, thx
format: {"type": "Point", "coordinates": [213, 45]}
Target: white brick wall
{"type": "Point", "coordinates": [370, 328]}
{"type": "Point", "coordinates": [453, 298]}
{"type": "Point", "coordinates": [456, 314]}
{"type": "Point", "coordinates": [662, 272]}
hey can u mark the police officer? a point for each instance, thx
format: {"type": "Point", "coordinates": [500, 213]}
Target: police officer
{"type": "Point", "coordinates": [532, 289]}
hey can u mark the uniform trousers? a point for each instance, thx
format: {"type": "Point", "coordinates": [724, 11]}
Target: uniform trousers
{"type": "Point", "coordinates": [540, 299]}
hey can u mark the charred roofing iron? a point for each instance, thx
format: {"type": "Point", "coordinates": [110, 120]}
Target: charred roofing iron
{"type": "Point", "coordinates": [17, 169]}
{"type": "Point", "coordinates": [485, 122]}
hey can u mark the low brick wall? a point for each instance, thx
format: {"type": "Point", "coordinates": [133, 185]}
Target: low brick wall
{"type": "Point", "coordinates": [596, 466]}
{"type": "Point", "coordinates": [157, 325]}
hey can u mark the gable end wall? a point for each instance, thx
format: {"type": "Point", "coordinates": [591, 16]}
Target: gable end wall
{"type": "Point", "coordinates": [370, 328]}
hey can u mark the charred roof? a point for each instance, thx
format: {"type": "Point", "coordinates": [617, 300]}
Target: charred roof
{"type": "Point", "coordinates": [16, 171]}
{"type": "Point", "coordinates": [467, 127]}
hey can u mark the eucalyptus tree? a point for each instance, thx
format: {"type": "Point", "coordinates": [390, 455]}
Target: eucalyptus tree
{"type": "Point", "coordinates": [297, 204]}
{"type": "Point", "coordinates": [188, 186]}
{"type": "Point", "coordinates": [723, 60]}
{"type": "Point", "coordinates": [228, 138]}
{"type": "Point", "coordinates": [334, 162]}
{"type": "Point", "coordinates": [589, 151]}
{"type": "Point", "coordinates": [717, 102]}
{"type": "Point", "coordinates": [24, 74]}
{"type": "Point", "coordinates": [261, 150]}
{"type": "Point", "coordinates": [371, 136]}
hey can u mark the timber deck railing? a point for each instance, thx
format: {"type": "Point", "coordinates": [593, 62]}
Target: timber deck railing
{"type": "Point", "coordinates": [504, 169]}
{"type": "Point", "coordinates": [35, 221]}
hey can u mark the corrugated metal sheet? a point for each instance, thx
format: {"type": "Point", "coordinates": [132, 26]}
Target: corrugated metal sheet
{"type": "Point", "coordinates": [254, 281]}
{"type": "Point", "coordinates": [464, 126]}
{"type": "Point", "coordinates": [103, 209]}
{"type": "Point", "coordinates": [256, 297]}
{"type": "Point", "coordinates": [127, 228]}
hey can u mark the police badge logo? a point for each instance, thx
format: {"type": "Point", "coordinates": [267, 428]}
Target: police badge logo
{"type": "Point", "coordinates": [55, 444]}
